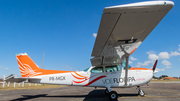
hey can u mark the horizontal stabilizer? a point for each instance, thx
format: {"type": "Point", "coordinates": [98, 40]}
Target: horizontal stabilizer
{"type": "Point", "coordinates": [12, 78]}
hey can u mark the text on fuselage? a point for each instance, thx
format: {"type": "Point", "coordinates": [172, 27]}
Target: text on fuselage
{"type": "Point", "coordinates": [117, 80]}
{"type": "Point", "coordinates": [57, 78]}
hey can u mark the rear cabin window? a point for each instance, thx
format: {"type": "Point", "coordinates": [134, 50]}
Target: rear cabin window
{"type": "Point", "coordinates": [112, 68]}
{"type": "Point", "coordinates": [124, 65]}
{"type": "Point", "coordinates": [86, 69]}
{"type": "Point", "coordinates": [97, 70]}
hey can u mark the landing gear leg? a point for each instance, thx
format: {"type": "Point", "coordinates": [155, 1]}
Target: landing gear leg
{"type": "Point", "coordinates": [111, 94]}
{"type": "Point", "coordinates": [140, 92]}
{"type": "Point", "coordinates": [106, 92]}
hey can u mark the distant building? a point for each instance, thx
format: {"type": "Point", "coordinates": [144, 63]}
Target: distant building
{"type": "Point", "coordinates": [1, 82]}
{"type": "Point", "coordinates": [169, 78]}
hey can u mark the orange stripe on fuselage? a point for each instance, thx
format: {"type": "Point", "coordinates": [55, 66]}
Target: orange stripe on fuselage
{"type": "Point", "coordinates": [46, 72]}
{"type": "Point", "coordinates": [139, 69]}
{"type": "Point", "coordinates": [79, 75]}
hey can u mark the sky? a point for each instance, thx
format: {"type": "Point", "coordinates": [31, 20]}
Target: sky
{"type": "Point", "coordinates": [66, 30]}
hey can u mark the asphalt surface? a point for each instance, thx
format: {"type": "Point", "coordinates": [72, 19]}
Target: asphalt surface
{"type": "Point", "coordinates": [156, 91]}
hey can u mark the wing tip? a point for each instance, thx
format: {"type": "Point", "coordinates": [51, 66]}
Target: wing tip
{"type": "Point", "coordinates": [167, 3]}
{"type": "Point", "coordinates": [141, 4]}
{"type": "Point", "coordinates": [21, 54]}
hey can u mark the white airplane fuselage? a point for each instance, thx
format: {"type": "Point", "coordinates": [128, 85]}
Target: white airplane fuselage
{"type": "Point", "coordinates": [112, 79]}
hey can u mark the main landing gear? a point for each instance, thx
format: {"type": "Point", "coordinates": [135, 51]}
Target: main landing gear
{"type": "Point", "coordinates": [111, 94]}
{"type": "Point", "coordinates": [140, 92]}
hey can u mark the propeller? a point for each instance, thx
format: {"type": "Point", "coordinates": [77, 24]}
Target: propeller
{"type": "Point", "coordinates": [154, 67]}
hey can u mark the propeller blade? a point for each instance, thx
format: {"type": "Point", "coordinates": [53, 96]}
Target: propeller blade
{"type": "Point", "coordinates": [154, 67]}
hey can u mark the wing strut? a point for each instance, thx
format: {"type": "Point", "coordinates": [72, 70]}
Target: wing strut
{"type": "Point", "coordinates": [127, 61]}
{"type": "Point", "coordinates": [126, 71]}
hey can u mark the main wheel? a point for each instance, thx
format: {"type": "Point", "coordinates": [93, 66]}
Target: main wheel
{"type": "Point", "coordinates": [106, 92]}
{"type": "Point", "coordinates": [141, 93]}
{"type": "Point", "coordinates": [113, 95]}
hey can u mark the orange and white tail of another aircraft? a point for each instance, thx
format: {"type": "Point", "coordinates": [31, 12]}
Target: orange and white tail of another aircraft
{"type": "Point", "coordinates": [122, 30]}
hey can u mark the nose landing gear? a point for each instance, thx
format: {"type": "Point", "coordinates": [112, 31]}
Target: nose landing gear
{"type": "Point", "coordinates": [140, 92]}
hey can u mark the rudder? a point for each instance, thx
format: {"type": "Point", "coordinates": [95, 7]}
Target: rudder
{"type": "Point", "coordinates": [27, 66]}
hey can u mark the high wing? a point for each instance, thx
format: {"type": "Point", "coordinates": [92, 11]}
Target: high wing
{"type": "Point", "coordinates": [123, 28]}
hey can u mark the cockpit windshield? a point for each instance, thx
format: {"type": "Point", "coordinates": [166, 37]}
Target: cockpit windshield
{"type": "Point", "coordinates": [124, 65]}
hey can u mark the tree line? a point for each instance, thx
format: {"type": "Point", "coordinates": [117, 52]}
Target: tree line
{"type": "Point", "coordinates": [162, 76]}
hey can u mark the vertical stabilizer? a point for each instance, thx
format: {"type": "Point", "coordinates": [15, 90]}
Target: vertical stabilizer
{"type": "Point", "coordinates": [29, 69]}
{"type": "Point", "coordinates": [26, 65]}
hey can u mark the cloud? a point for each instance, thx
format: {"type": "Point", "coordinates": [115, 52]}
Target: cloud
{"type": "Point", "coordinates": [150, 52]}
{"type": "Point", "coordinates": [159, 69]}
{"type": "Point", "coordinates": [95, 35]}
{"type": "Point", "coordinates": [132, 58]}
{"type": "Point", "coordinates": [130, 62]}
{"type": "Point", "coordinates": [167, 67]}
{"type": "Point", "coordinates": [6, 68]}
{"type": "Point", "coordinates": [146, 63]}
{"type": "Point", "coordinates": [67, 66]}
{"type": "Point", "coordinates": [164, 55]}
{"type": "Point", "coordinates": [1, 66]}
{"type": "Point", "coordinates": [153, 57]}
{"type": "Point", "coordinates": [174, 53]}
{"type": "Point", "coordinates": [166, 63]}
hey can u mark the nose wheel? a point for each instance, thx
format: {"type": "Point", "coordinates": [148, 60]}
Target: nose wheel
{"type": "Point", "coordinates": [140, 92]}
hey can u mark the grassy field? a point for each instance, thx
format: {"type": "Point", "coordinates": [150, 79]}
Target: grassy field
{"type": "Point", "coordinates": [166, 80]}
{"type": "Point", "coordinates": [26, 86]}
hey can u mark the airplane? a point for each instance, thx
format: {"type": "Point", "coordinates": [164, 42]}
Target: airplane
{"type": "Point", "coordinates": [122, 29]}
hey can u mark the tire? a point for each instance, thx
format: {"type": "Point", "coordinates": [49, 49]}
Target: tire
{"type": "Point", "coordinates": [113, 96]}
{"type": "Point", "coordinates": [141, 93]}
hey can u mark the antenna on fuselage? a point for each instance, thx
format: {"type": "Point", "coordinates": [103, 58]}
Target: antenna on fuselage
{"type": "Point", "coordinates": [43, 57]}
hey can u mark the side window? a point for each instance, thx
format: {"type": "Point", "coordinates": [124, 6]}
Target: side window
{"type": "Point", "coordinates": [124, 65]}
{"type": "Point", "coordinates": [97, 70]}
{"type": "Point", "coordinates": [112, 68]}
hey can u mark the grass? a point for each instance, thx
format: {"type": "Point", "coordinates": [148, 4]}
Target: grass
{"type": "Point", "coordinates": [166, 80]}
{"type": "Point", "coordinates": [26, 86]}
